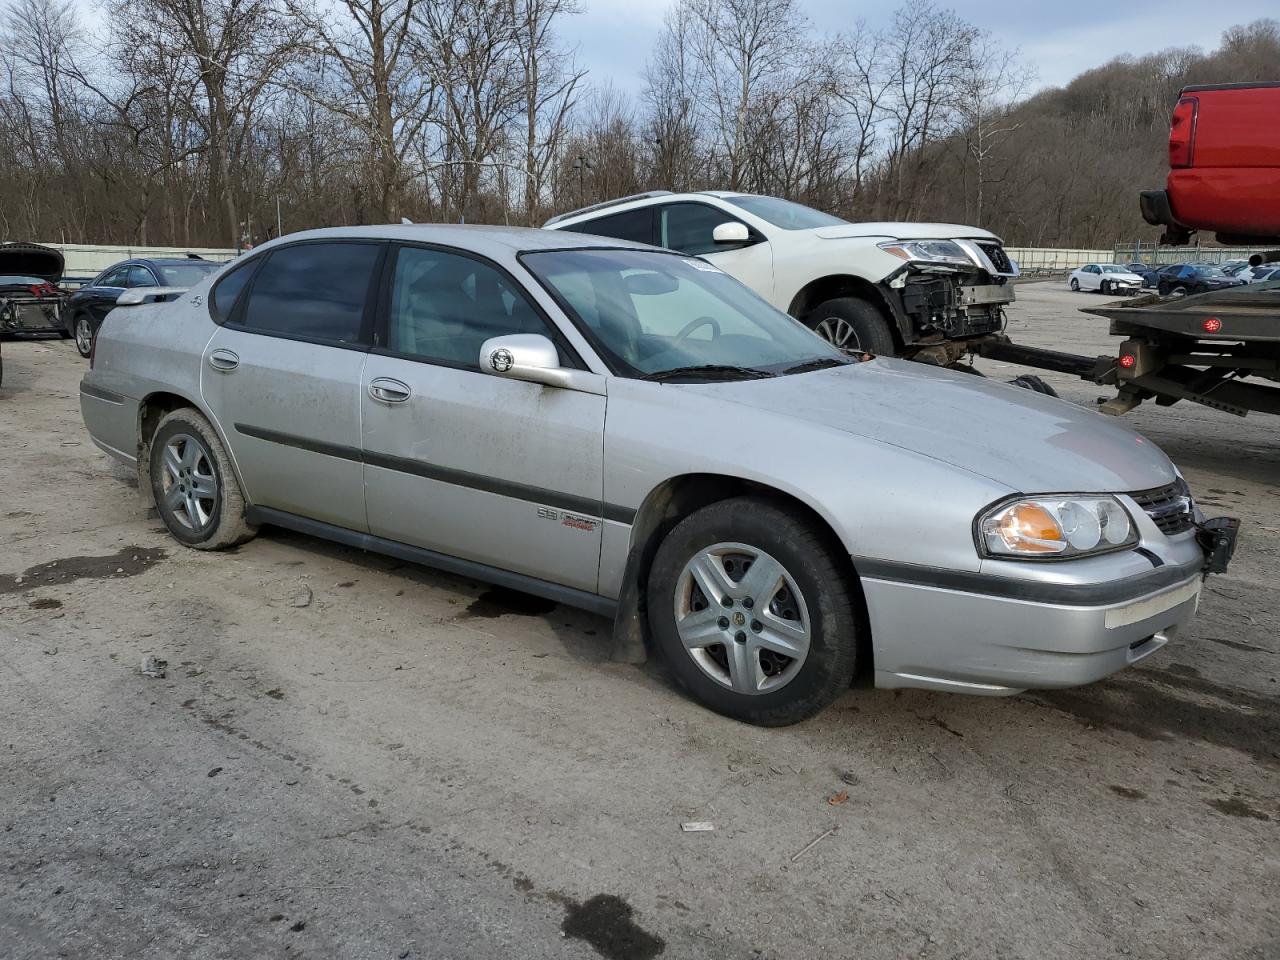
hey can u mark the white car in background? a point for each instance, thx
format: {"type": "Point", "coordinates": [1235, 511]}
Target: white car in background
{"type": "Point", "coordinates": [925, 291]}
{"type": "Point", "coordinates": [1105, 278]}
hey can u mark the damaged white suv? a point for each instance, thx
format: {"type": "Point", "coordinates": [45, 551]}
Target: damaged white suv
{"type": "Point", "coordinates": [927, 291]}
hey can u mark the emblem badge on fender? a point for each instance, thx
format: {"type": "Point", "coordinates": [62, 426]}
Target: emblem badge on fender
{"type": "Point", "coordinates": [501, 360]}
{"type": "Point", "coordinates": [197, 299]}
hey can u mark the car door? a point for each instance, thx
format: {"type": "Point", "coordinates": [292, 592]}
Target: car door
{"type": "Point", "coordinates": [1092, 277]}
{"type": "Point", "coordinates": [281, 374]}
{"type": "Point", "coordinates": [493, 470]}
{"type": "Point", "coordinates": [689, 227]}
{"type": "Point", "coordinates": [102, 295]}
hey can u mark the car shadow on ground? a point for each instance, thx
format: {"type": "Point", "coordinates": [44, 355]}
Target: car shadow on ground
{"type": "Point", "coordinates": [585, 637]}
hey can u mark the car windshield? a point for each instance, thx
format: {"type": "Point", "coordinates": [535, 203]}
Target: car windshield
{"type": "Point", "coordinates": [650, 313]}
{"type": "Point", "coordinates": [784, 213]}
{"type": "Point", "coordinates": [185, 274]}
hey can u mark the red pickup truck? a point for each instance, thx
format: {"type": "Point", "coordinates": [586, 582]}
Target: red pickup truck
{"type": "Point", "coordinates": [1224, 166]}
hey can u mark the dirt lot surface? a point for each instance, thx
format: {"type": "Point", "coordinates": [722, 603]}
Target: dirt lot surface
{"type": "Point", "coordinates": [351, 757]}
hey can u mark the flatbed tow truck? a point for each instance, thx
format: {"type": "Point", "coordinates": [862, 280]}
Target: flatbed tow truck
{"type": "Point", "coordinates": [1222, 348]}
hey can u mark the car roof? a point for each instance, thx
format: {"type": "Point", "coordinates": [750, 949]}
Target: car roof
{"type": "Point", "coordinates": [477, 238]}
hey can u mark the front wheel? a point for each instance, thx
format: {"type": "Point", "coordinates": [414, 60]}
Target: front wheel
{"type": "Point", "coordinates": [853, 325]}
{"type": "Point", "coordinates": [1105, 288]}
{"type": "Point", "coordinates": [194, 485]}
{"type": "Point", "coordinates": [752, 610]}
{"type": "Point", "coordinates": [1075, 285]}
{"type": "Point", "coordinates": [84, 334]}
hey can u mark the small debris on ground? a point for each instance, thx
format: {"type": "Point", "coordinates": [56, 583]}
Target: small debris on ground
{"type": "Point", "coordinates": [697, 826]}
{"type": "Point", "coordinates": [215, 771]}
{"type": "Point", "coordinates": [302, 598]}
{"type": "Point", "coordinates": [838, 798]}
{"type": "Point", "coordinates": [154, 667]}
{"type": "Point", "coordinates": [812, 843]}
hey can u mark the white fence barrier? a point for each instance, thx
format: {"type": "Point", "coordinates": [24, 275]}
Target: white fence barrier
{"type": "Point", "coordinates": [1051, 258]}
{"type": "Point", "coordinates": [88, 261]}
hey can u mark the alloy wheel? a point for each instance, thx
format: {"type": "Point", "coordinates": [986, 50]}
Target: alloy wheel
{"type": "Point", "coordinates": [189, 485]}
{"type": "Point", "coordinates": [742, 618]}
{"type": "Point", "coordinates": [84, 335]}
{"type": "Point", "coordinates": [840, 334]}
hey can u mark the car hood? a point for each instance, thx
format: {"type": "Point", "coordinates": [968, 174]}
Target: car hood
{"type": "Point", "coordinates": [31, 260]}
{"type": "Point", "coordinates": [904, 231]}
{"type": "Point", "coordinates": [1026, 441]}
{"type": "Point", "coordinates": [1130, 277]}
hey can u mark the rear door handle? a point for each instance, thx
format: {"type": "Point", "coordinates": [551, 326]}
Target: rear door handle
{"type": "Point", "coordinates": [388, 390]}
{"type": "Point", "coordinates": [223, 360]}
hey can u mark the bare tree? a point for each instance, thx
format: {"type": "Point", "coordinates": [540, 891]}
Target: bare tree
{"type": "Point", "coordinates": [990, 81]}
{"type": "Point", "coordinates": [368, 65]}
{"type": "Point", "coordinates": [235, 48]}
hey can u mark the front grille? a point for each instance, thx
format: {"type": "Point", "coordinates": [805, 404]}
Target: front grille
{"type": "Point", "coordinates": [999, 259]}
{"type": "Point", "coordinates": [1169, 507]}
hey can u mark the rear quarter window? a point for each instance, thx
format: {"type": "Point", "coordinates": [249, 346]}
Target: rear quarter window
{"type": "Point", "coordinates": [226, 292]}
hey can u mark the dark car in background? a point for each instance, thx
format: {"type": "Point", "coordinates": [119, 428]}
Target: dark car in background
{"type": "Point", "coordinates": [1144, 270]}
{"type": "Point", "coordinates": [1186, 278]}
{"type": "Point", "coordinates": [88, 307]}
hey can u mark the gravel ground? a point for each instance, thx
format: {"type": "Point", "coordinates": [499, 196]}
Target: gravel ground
{"type": "Point", "coordinates": [351, 757]}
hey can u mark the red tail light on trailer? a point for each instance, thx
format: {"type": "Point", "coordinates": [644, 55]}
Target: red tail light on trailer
{"type": "Point", "coordinates": [1182, 132]}
{"type": "Point", "coordinates": [1212, 325]}
{"type": "Point", "coordinates": [1127, 360]}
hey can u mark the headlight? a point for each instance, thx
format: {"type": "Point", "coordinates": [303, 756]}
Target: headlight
{"type": "Point", "coordinates": [1056, 527]}
{"type": "Point", "coordinates": [928, 251]}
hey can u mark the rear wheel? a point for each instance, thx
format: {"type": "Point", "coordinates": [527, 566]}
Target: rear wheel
{"type": "Point", "coordinates": [752, 611]}
{"type": "Point", "coordinates": [854, 325]}
{"type": "Point", "coordinates": [194, 485]}
{"type": "Point", "coordinates": [83, 331]}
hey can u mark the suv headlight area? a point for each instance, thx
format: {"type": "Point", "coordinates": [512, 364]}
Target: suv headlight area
{"type": "Point", "coordinates": [1055, 527]}
{"type": "Point", "coordinates": [928, 251]}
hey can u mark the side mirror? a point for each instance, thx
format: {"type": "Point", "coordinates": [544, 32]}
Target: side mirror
{"type": "Point", "coordinates": [732, 232]}
{"type": "Point", "coordinates": [533, 358]}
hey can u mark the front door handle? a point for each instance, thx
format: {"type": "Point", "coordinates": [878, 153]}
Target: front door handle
{"type": "Point", "coordinates": [223, 360]}
{"type": "Point", "coordinates": [388, 390]}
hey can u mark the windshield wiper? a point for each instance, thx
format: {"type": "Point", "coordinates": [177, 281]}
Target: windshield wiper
{"type": "Point", "coordinates": [817, 363]}
{"type": "Point", "coordinates": [710, 371]}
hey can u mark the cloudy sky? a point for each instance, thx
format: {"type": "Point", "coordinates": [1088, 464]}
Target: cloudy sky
{"type": "Point", "coordinates": [1060, 39]}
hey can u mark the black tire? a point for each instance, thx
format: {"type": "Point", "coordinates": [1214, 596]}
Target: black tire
{"type": "Point", "coordinates": [854, 325]}
{"type": "Point", "coordinates": [1179, 291]}
{"type": "Point", "coordinates": [1074, 285]}
{"type": "Point", "coordinates": [84, 344]}
{"type": "Point", "coordinates": [806, 556]}
{"type": "Point", "coordinates": [1104, 288]}
{"type": "Point", "coordinates": [1029, 381]}
{"type": "Point", "coordinates": [226, 524]}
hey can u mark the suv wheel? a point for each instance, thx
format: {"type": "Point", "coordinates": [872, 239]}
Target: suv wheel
{"type": "Point", "coordinates": [854, 325]}
{"type": "Point", "coordinates": [195, 488]}
{"type": "Point", "coordinates": [752, 611]}
{"type": "Point", "coordinates": [83, 330]}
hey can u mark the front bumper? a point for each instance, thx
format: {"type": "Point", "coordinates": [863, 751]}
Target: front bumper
{"type": "Point", "coordinates": [947, 636]}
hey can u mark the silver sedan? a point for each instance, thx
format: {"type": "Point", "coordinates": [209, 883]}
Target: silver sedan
{"type": "Point", "coordinates": [632, 431]}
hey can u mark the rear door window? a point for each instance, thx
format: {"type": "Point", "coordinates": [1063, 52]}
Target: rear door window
{"type": "Point", "coordinates": [634, 225]}
{"type": "Point", "coordinates": [314, 291]}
